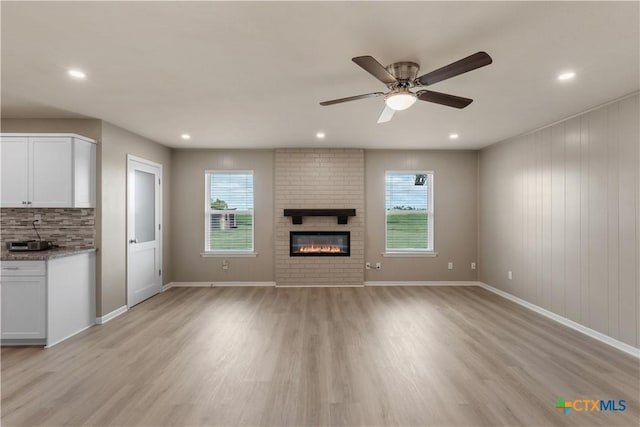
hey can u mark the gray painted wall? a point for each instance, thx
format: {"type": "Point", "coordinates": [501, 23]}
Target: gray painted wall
{"type": "Point", "coordinates": [112, 228]}
{"type": "Point", "coordinates": [560, 207]}
{"type": "Point", "coordinates": [187, 213]}
{"type": "Point", "coordinates": [455, 214]}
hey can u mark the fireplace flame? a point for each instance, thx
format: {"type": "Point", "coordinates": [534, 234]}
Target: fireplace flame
{"type": "Point", "coordinates": [325, 249]}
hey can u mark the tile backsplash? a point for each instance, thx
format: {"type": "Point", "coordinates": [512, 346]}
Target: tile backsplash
{"type": "Point", "coordinates": [65, 227]}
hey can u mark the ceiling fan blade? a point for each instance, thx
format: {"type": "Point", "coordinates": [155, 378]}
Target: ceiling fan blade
{"type": "Point", "coordinates": [375, 68]}
{"type": "Point", "coordinates": [351, 98]}
{"type": "Point", "coordinates": [386, 115]}
{"type": "Point", "coordinates": [444, 99]}
{"type": "Point", "coordinates": [471, 62]}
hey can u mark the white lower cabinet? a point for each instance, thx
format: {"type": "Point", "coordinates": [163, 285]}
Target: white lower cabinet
{"type": "Point", "coordinates": [46, 302]}
{"type": "Point", "coordinates": [24, 308]}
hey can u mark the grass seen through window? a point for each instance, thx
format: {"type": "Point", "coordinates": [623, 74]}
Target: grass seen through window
{"type": "Point", "coordinates": [227, 238]}
{"type": "Point", "coordinates": [407, 230]}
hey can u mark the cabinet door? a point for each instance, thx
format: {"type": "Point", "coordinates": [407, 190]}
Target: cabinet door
{"type": "Point", "coordinates": [14, 152]}
{"type": "Point", "coordinates": [84, 174]}
{"type": "Point", "coordinates": [51, 172]}
{"type": "Point", "coordinates": [23, 307]}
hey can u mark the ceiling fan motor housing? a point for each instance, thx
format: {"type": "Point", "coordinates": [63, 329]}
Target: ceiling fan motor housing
{"type": "Point", "coordinates": [405, 72]}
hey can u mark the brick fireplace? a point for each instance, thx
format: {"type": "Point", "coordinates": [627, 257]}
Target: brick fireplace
{"type": "Point", "coordinates": [319, 179]}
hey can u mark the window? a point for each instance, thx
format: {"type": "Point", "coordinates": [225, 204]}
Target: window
{"type": "Point", "coordinates": [229, 212]}
{"type": "Point", "coordinates": [409, 212]}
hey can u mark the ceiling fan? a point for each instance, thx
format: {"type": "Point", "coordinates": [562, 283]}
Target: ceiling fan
{"type": "Point", "coordinates": [400, 77]}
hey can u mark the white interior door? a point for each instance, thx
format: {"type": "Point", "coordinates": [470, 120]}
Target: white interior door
{"type": "Point", "coordinates": [144, 236]}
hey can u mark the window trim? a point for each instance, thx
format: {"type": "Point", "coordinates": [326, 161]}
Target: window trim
{"type": "Point", "coordinates": [207, 211]}
{"type": "Point", "coordinates": [412, 252]}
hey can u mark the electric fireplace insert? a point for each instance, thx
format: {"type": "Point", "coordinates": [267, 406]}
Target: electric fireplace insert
{"type": "Point", "coordinates": [319, 243]}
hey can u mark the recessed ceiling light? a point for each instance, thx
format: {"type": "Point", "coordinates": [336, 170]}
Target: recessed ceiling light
{"type": "Point", "coordinates": [453, 136]}
{"type": "Point", "coordinates": [185, 136]}
{"type": "Point", "coordinates": [77, 74]}
{"type": "Point", "coordinates": [320, 135]}
{"type": "Point", "coordinates": [566, 76]}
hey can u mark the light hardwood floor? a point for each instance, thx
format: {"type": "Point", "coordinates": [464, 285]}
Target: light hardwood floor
{"type": "Point", "coordinates": [393, 356]}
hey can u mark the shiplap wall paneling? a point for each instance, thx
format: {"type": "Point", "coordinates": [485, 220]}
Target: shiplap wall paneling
{"type": "Point", "coordinates": [613, 214]}
{"type": "Point", "coordinates": [584, 220]}
{"type": "Point", "coordinates": [597, 218]}
{"type": "Point", "coordinates": [516, 258]}
{"type": "Point", "coordinates": [546, 209]}
{"type": "Point", "coordinates": [570, 231]}
{"type": "Point", "coordinates": [572, 221]}
{"type": "Point", "coordinates": [557, 281]}
{"type": "Point", "coordinates": [629, 222]}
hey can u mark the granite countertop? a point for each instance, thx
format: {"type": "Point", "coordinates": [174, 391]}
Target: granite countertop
{"type": "Point", "coordinates": [44, 255]}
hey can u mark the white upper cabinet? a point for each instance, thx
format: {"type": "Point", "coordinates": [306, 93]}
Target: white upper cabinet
{"type": "Point", "coordinates": [52, 183]}
{"type": "Point", "coordinates": [14, 190]}
{"type": "Point", "coordinates": [48, 171]}
{"type": "Point", "coordinates": [84, 173]}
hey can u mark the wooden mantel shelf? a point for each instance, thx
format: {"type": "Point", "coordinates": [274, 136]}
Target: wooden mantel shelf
{"type": "Point", "coordinates": [297, 214]}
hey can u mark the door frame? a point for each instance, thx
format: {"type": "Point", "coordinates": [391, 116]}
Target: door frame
{"type": "Point", "coordinates": [131, 157]}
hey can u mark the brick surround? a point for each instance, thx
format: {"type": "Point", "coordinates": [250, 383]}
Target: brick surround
{"type": "Point", "coordinates": [319, 178]}
{"type": "Point", "coordinates": [64, 226]}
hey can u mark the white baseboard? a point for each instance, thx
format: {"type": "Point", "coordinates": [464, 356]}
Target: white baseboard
{"type": "Point", "coordinates": [110, 316]}
{"type": "Point", "coordinates": [372, 283]}
{"type": "Point", "coordinates": [319, 286]}
{"type": "Point", "coordinates": [187, 285]}
{"type": "Point", "coordinates": [422, 283]}
{"type": "Point", "coordinates": [68, 336]}
{"type": "Point", "coordinates": [213, 284]}
{"type": "Point", "coordinates": [629, 349]}
{"type": "Point", "coordinates": [268, 284]}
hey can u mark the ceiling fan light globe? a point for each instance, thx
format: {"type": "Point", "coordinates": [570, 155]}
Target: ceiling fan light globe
{"type": "Point", "coordinates": [400, 101]}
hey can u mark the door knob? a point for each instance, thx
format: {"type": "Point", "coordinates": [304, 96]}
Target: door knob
{"type": "Point", "coordinates": [133, 241]}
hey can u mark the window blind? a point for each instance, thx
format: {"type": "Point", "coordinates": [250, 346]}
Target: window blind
{"type": "Point", "coordinates": [409, 211]}
{"type": "Point", "coordinates": [229, 211]}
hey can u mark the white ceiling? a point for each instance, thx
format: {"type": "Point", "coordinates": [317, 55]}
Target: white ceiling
{"type": "Point", "coordinates": [250, 75]}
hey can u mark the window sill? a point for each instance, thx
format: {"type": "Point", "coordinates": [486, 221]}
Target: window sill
{"type": "Point", "coordinates": [229, 254]}
{"type": "Point", "coordinates": [410, 254]}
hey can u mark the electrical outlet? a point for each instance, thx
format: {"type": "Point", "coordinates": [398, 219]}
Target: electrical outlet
{"type": "Point", "coordinates": [450, 266]}
{"type": "Point", "coordinates": [473, 265]}
{"type": "Point", "coordinates": [225, 265]}
{"type": "Point", "coordinates": [510, 275]}
{"type": "Point", "coordinates": [37, 218]}
{"type": "Point", "coordinates": [378, 265]}
{"type": "Point", "coordinates": [368, 266]}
